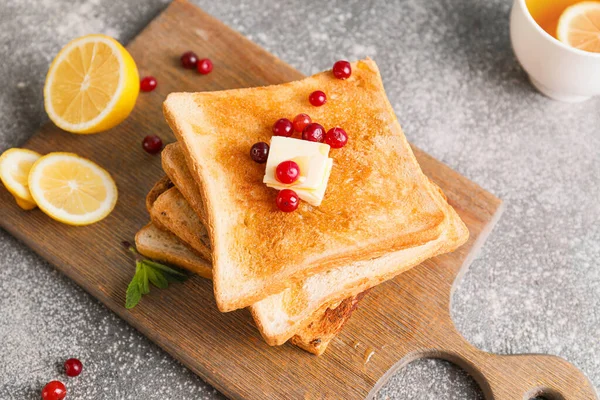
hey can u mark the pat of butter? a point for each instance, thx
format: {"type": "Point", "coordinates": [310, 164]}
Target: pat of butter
{"type": "Point", "coordinates": [313, 197]}
{"type": "Point", "coordinates": [311, 157]}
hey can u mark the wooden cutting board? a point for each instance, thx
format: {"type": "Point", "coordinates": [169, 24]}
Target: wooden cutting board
{"type": "Point", "coordinates": [399, 321]}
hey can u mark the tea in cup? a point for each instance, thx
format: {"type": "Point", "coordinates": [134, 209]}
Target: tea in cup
{"type": "Point", "coordinates": [558, 44]}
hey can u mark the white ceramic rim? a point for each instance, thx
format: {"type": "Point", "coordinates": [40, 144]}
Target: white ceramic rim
{"type": "Point", "coordinates": [552, 38]}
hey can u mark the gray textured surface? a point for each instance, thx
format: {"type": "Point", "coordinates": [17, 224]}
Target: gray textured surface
{"type": "Point", "coordinates": [459, 94]}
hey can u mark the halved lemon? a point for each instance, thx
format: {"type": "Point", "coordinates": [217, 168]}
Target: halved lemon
{"type": "Point", "coordinates": [14, 172]}
{"type": "Point", "coordinates": [579, 26]}
{"type": "Point", "coordinates": [91, 86]}
{"type": "Point", "coordinates": [72, 189]}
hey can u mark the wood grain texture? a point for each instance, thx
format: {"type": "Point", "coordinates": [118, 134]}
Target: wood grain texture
{"type": "Point", "coordinates": [400, 320]}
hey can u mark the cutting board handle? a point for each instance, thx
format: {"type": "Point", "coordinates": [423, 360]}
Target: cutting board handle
{"type": "Point", "coordinates": [500, 377]}
{"type": "Point", "coordinates": [510, 377]}
{"type": "Point", "coordinates": [524, 377]}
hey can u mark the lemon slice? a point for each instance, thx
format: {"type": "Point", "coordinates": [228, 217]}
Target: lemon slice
{"type": "Point", "coordinates": [72, 189]}
{"type": "Point", "coordinates": [579, 26]}
{"type": "Point", "coordinates": [91, 86]}
{"type": "Point", "coordinates": [14, 172]}
{"type": "Point", "coordinates": [25, 205]}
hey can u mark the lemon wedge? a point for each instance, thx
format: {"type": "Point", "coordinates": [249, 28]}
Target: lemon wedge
{"type": "Point", "coordinates": [92, 85]}
{"type": "Point", "coordinates": [14, 172]}
{"type": "Point", "coordinates": [579, 26]}
{"type": "Point", "coordinates": [72, 189]}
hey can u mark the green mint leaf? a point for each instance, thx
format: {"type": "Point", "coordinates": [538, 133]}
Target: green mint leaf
{"type": "Point", "coordinates": [157, 278]}
{"type": "Point", "coordinates": [146, 272]}
{"type": "Point", "coordinates": [175, 278]}
{"type": "Point", "coordinates": [144, 283]}
{"type": "Point", "coordinates": [167, 270]}
{"type": "Point", "coordinates": [133, 294]}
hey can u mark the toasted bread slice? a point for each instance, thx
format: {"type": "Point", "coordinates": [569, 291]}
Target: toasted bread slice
{"type": "Point", "coordinates": [159, 188]}
{"type": "Point", "coordinates": [320, 327]}
{"type": "Point", "coordinates": [172, 212]}
{"type": "Point", "coordinates": [317, 335]}
{"type": "Point", "coordinates": [282, 315]}
{"type": "Point", "coordinates": [377, 200]}
{"type": "Point", "coordinates": [165, 247]}
{"type": "Point", "coordinates": [174, 165]}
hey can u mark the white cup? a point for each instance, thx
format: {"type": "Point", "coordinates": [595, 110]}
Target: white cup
{"type": "Point", "coordinates": [557, 70]}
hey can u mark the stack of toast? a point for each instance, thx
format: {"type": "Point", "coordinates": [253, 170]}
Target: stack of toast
{"type": "Point", "coordinates": [302, 273]}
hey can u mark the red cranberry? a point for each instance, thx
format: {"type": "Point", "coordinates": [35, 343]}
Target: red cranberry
{"type": "Point", "coordinates": [54, 390]}
{"type": "Point", "coordinates": [287, 200]}
{"type": "Point", "coordinates": [287, 172]}
{"type": "Point", "coordinates": [313, 132]}
{"type": "Point", "coordinates": [205, 66]}
{"type": "Point", "coordinates": [300, 122]}
{"type": "Point", "coordinates": [148, 84]}
{"type": "Point", "coordinates": [317, 98]}
{"type": "Point", "coordinates": [283, 127]}
{"type": "Point", "coordinates": [336, 137]}
{"type": "Point", "coordinates": [342, 69]}
{"type": "Point", "coordinates": [259, 152]}
{"type": "Point", "coordinates": [73, 367]}
{"type": "Point", "coordinates": [189, 60]}
{"type": "Point", "coordinates": [152, 144]}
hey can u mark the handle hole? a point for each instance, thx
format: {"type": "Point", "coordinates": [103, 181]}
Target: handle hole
{"type": "Point", "coordinates": [428, 378]}
{"type": "Point", "coordinates": [543, 394]}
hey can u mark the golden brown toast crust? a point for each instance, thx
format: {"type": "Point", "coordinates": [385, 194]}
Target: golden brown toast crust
{"type": "Point", "coordinates": [159, 188]}
{"type": "Point", "coordinates": [317, 335]}
{"type": "Point", "coordinates": [377, 200]}
{"type": "Point", "coordinates": [186, 257]}
{"type": "Point", "coordinates": [174, 165]}
{"type": "Point", "coordinates": [170, 211]}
